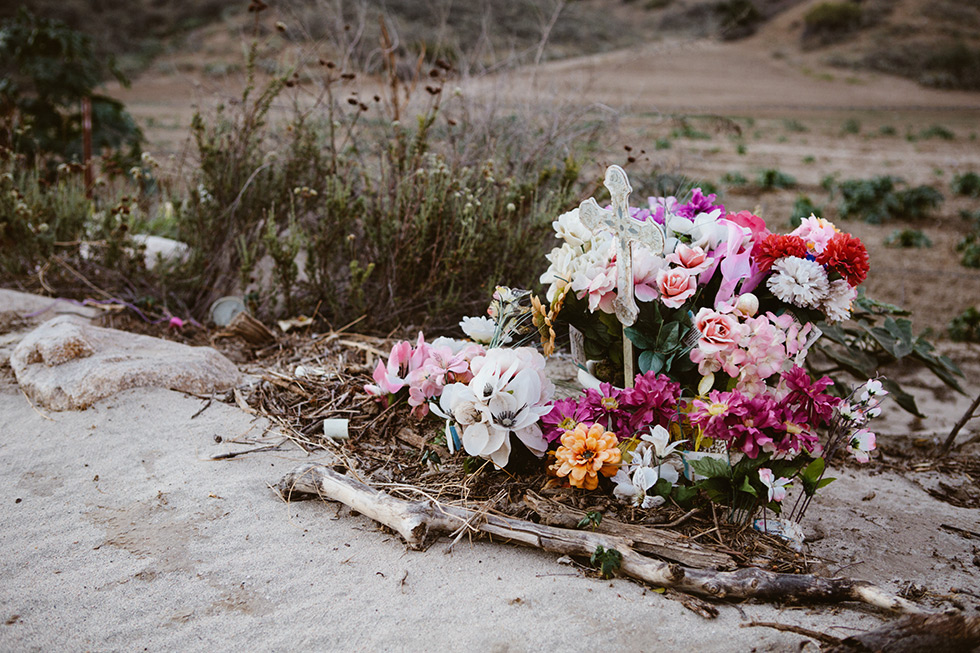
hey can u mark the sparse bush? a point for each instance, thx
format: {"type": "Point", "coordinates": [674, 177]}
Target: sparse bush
{"type": "Point", "coordinates": [738, 18]}
{"type": "Point", "coordinates": [771, 179]}
{"type": "Point", "coordinates": [795, 126]}
{"type": "Point", "coordinates": [907, 238]}
{"type": "Point", "coordinates": [967, 184]}
{"type": "Point", "coordinates": [403, 218]}
{"type": "Point", "coordinates": [887, 130]}
{"type": "Point", "coordinates": [965, 327]}
{"type": "Point", "coordinates": [878, 199]}
{"type": "Point", "coordinates": [829, 22]}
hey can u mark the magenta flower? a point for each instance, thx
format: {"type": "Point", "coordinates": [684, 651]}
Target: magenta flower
{"type": "Point", "coordinates": [699, 203]}
{"type": "Point", "coordinates": [808, 397]}
{"type": "Point", "coordinates": [652, 401]}
{"type": "Point", "coordinates": [565, 415]}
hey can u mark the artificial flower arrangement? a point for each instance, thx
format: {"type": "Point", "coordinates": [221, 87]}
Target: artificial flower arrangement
{"type": "Point", "coordinates": [720, 404]}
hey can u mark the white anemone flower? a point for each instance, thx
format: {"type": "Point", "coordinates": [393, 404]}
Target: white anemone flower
{"type": "Point", "coordinates": [659, 437]}
{"type": "Point", "coordinates": [633, 489]}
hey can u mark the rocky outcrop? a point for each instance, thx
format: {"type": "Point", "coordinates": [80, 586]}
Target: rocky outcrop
{"type": "Point", "coordinates": [65, 365]}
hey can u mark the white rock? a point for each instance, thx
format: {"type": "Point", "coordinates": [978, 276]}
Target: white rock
{"type": "Point", "coordinates": [64, 365]}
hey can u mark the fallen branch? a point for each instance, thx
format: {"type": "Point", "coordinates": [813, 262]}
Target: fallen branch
{"type": "Point", "coordinates": [420, 522]}
{"type": "Point", "coordinates": [950, 631]}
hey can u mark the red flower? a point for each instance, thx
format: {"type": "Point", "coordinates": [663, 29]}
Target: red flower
{"type": "Point", "coordinates": [777, 246]}
{"type": "Point", "coordinates": [847, 256]}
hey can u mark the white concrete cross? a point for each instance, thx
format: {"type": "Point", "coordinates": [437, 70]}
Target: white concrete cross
{"type": "Point", "coordinates": [626, 230]}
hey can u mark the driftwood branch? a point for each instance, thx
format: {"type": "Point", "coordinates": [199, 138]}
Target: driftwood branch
{"type": "Point", "coordinates": [420, 522]}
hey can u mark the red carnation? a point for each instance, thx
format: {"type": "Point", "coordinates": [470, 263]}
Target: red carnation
{"type": "Point", "coordinates": [777, 246]}
{"type": "Point", "coordinates": [847, 256]}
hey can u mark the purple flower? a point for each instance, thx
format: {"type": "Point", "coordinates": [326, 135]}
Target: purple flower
{"type": "Point", "coordinates": [746, 424]}
{"type": "Point", "coordinates": [565, 415]}
{"type": "Point", "coordinates": [609, 408]}
{"type": "Point", "coordinates": [699, 203]}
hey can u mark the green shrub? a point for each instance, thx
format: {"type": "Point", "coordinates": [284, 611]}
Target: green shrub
{"type": "Point", "coordinates": [795, 126]}
{"type": "Point", "coordinates": [965, 327]}
{"type": "Point", "coordinates": [878, 199]}
{"type": "Point", "coordinates": [967, 183]}
{"type": "Point", "coordinates": [45, 71]}
{"type": "Point", "coordinates": [771, 178]}
{"type": "Point", "coordinates": [908, 238]}
{"type": "Point", "coordinates": [887, 130]}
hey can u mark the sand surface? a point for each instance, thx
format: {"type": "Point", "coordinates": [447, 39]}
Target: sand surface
{"type": "Point", "coordinates": [118, 532]}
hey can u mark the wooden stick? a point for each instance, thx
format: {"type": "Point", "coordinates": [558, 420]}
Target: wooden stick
{"type": "Point", "coordinates": [420, 522]}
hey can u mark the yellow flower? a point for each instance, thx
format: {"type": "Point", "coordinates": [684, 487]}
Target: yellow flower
{"type": "Point", "coordinates": [585, 453]}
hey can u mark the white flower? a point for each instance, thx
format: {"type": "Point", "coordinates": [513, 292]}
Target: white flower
{"type": "Point", "coordinates": [480, 329]}
{"type": "Point", "coordinates": [747, 305]}
{"type": "Point", "coordinates": [837, 304]}
{"type": "Point", "coordinates": [799, 281]}
{"type": "Point", "coordinates": [861, 444]}
{"type": "Point", "coordinates": [569, 227]}
{"type": "Point", "coordinates": [633, 489]}
{"type": "Point", "coordinates": [872, 388]}
{"type": "Point", "coordinates": [508, 394]}
{"type": "Point", "coordinates": [659, 437]}
{"type": "Point", "coordinates": [706, 230]}
{"type": "Point", "coordinates": [777, 487]}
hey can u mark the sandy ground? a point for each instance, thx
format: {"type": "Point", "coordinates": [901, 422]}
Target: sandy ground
{"type": "Point", "coordinates": [118, 532]}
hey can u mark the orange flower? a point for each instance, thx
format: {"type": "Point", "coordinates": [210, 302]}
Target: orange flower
{"type": "Point", "coordinates": [585, 453]}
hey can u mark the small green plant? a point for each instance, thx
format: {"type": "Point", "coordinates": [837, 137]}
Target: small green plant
{"type": "Point", "coordinates": [796, 126]}
{"type": "Point", "coordinates": [809, 159]}
{"type": "Point", "coordinates": [770, 179]}
{"type": "Point", "coordinates": [965, 327]}
{"type": "Point", "coordinates": [734, 178]}
{"type": "Point", "coordinates": [803, 207]}
{"type": "Point", "coordinates": [738, 18]}
{"type": "Point", "coordinates": [967, 183]}
{"type": "Point", "coordinates": [937, 131]}
{"type": "Point", "coordinates": [969, 245]}
{"type": "Point", "coordinates": [685, 130]}
{"type": "Point", "coordinates": [607, 561]}
{"type": "Point", "coordinates": [879, 198]}
{"type": "Point", "coordinates": [851, 126]}
{"type": "Point", "coordinates": [741, 149]}
{"type": "Point", "coordinates": [591, 520]}
{"type": "Point", "coordinates": [887, 130]}
{"type": "Point", "coordinates": [662, 144]}
{"type": "Point", "coordinates": [907, 238]}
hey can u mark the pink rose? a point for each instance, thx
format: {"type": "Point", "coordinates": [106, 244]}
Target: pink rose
{"type": "Point", "coordinates": [675, 286]}
{"type": "Point", "coordinates": [693, 259]}
{"type": "Point", "coordinates": [719, 331]}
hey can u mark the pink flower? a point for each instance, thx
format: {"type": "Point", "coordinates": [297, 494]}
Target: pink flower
{"type": "Point", "coordinates": [693, 259]}
{"type": "Point", "coordinates": [646, 266]}
{"type": "Point", "coordinates": [675, 286]}
{"type": "Point", "coordinates": [861, 444]}
{"type": "Point", "coordinates": [718, 330]}
{"type": "Point", "coordinates": [176, 324]}
{"type": "Point", "coordinates": [391, 378]}
{"type": "Point", "coordinates": [777, 489]}
{"type": "Point", "coordinates": [752, 222]}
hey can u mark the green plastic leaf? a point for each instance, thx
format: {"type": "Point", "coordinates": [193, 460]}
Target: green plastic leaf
{"type": "Point", "coordinates": [824, 482]}
{"type": "Point", "coordinates": [639, 338]}
{"type": "Point", "coordinates": [902, 398]}
{"type": "Point", "coordinates": [683, 495]}
{"type": "Point", "coordinates": [814, 470]}
{"type": "Point", "coordinates": [661, 488]}
{"type": "Point", "coordinates": [747, 487]}
{"type": "Point", "coordinates": [650, 361]}
{"type": "Point", "coordinates": [711, 468]}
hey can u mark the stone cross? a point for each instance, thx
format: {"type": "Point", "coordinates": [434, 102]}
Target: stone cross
{"type": "Point", "coordinates": [626, 230]}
